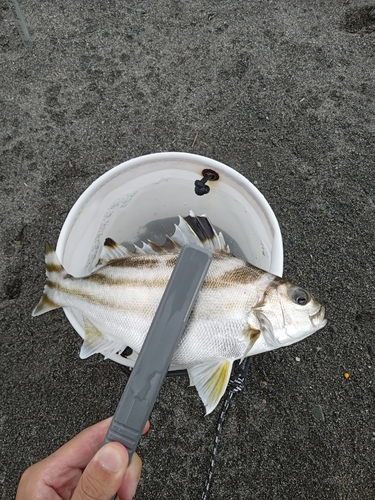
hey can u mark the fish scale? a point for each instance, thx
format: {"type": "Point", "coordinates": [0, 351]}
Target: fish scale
{"type": "Point", "coordinates": [240, 311]}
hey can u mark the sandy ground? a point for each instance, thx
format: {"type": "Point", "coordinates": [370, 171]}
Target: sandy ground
{"type": "Point", "coordinates": [282, 91]}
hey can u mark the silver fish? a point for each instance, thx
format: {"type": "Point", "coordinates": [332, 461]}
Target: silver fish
{"type": "Point", "coordinates": [241, 310]}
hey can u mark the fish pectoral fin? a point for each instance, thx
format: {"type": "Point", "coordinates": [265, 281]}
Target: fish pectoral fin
{"type": "Point", "coordinates": [95, 342]}
{"type": "Point", "coordinates": [211, 380]}
{"type": "Point", "coordinates": [253, 335]}
{"type": "Point", "coordinates": [267, 329]}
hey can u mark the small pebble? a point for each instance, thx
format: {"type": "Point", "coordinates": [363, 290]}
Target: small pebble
{"type": "Point", "coordinates": [263, 383]}
{"type": "Point", "coordinates": [298, 359]}
{"type": "Point", "coordinates": [140, 12]}
{"type": "Point", "coordinates": [261, 116]}
{"type": "Point", "coordinates": [318, 413]}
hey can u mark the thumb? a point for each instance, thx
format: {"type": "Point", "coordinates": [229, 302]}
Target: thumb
{"type": "Point", "coordinates": [104, 474]}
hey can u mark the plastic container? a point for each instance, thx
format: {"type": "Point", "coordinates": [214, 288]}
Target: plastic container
{"type": "Point", "coordinates": [141, 198]}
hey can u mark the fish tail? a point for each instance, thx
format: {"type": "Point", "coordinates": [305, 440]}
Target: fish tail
{"type": "Point", "coordinates": [54, 272]}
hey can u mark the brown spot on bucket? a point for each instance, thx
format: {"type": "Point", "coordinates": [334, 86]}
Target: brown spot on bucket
{"type": "Point", "coordinates": [200, 184]}
{"type": "Point", "coordinates": [211, 174]}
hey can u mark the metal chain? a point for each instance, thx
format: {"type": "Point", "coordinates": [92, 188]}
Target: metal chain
{"type": "Point", "coordinates": [235, 385]}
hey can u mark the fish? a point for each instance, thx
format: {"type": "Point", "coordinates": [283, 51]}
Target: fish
{"type": "Point", "coordinates": [240, 311]}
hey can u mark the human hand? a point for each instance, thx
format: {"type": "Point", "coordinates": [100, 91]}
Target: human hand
{"type": "Point", "coordinates": [83, 470]}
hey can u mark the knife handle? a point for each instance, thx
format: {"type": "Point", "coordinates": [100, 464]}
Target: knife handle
{"type": "Point", "coordinates": [166, 329]}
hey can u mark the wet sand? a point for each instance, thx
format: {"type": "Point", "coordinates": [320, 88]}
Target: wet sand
{"type": "Point", "coordinates": [283, 92]}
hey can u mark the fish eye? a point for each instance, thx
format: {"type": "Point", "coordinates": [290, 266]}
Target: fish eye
{"type": "Point", "coordinates": [299, 296]}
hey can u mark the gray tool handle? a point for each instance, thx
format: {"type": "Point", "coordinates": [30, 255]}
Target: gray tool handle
{"type": "Point", "coordinates": [166, 329]}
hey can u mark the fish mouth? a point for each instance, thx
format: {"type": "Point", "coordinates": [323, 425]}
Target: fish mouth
{"type": "Point", "coordinates": [317, 319]}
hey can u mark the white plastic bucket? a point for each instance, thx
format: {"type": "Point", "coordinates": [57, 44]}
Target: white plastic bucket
{"type": "Point", "coordinates": [123, 202]}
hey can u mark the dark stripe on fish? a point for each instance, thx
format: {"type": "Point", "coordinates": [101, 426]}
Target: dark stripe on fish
{"type": "Point", "coordinates": [172, 261]}
{"type": "Point", "coordinates": [242, 275]}
{"type": "Point", "coordinates": [147, 261]}
{"type": "Point", "coordinates": [134, 262]}
{"type": "Point", "coordinates": [51, 267]}
{"type": "Point", "coordinates": [83, 295]}
{"type": "Point", "coordinates": [106, 280]}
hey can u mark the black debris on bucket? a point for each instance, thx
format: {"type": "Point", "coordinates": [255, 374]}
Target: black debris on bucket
{"type": "Point", "coordinates": [200, 185]}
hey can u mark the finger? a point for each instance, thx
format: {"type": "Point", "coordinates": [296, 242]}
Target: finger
{"type": "Point", "coordinates": [146, 428]}
{"type": "Point", "coordinates": [129, 484]}
{"type": "Point", "coordinates": [78, 452]}
{"type": "Point", "coordinates": [104, 474]}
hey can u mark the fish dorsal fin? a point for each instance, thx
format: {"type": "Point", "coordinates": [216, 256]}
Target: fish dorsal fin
{"type": "Point", "coordinates": [193, 229]}
{"type": "Point", "coordinates": [198, 230]}
{"type": "Point", "coordinates": [211, 380]}
{"type": "Point", "coordinates": [95, 342]}
{"type": "Point", "coordinates": [112, 250]}
{"type": "Point", "coordinates": [149, 248]}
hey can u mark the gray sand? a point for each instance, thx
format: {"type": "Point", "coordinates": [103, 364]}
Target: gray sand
{"type": "Point", "coordinates": [284, 92]}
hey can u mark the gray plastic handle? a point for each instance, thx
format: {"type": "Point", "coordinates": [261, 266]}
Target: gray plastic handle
{"type": "Point", "coordinates": [166, 329]}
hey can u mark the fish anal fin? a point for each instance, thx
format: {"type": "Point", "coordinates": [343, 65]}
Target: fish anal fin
{"type": "Point", "coordinates": [92, 334]}
{"type": "Point", "coordinates": [211, 379]}
{"type": "Point", "coordinates": [252, 334]}
{"type": "Point", "coordinates": [95, 342]}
